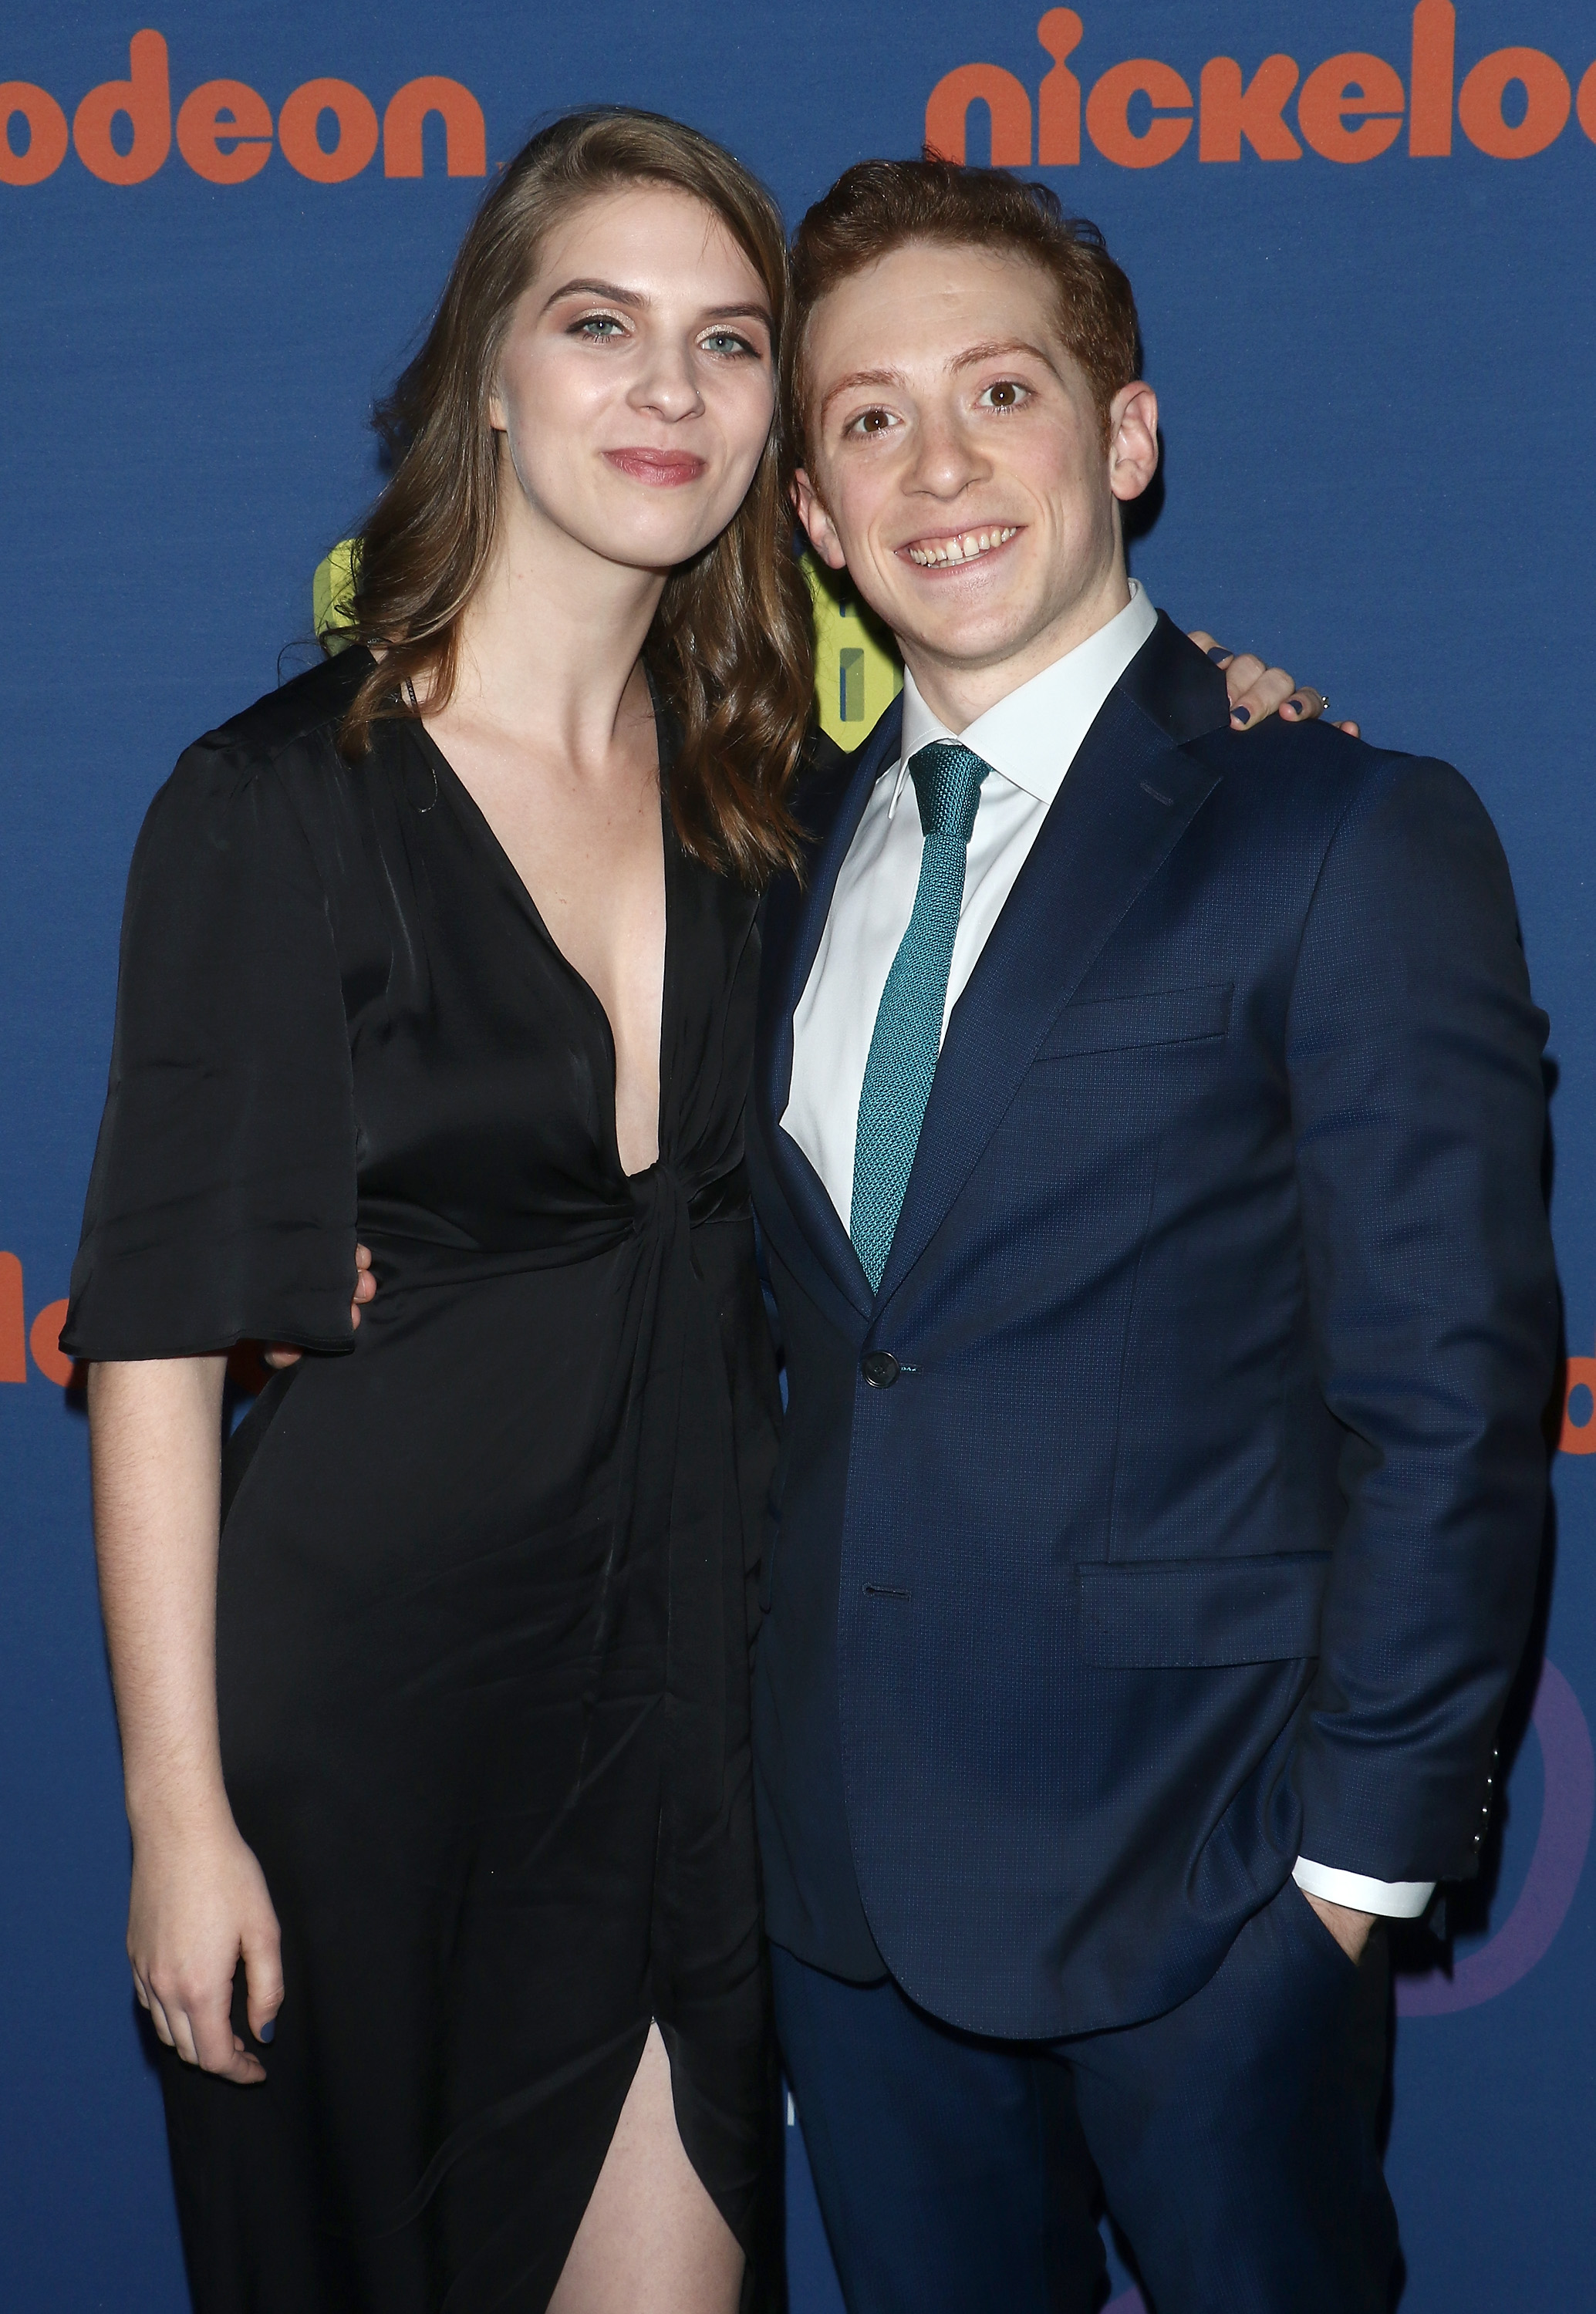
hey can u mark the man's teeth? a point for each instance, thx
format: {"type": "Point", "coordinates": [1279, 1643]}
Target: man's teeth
{"type": "Point", "coordinates": [962, 549]}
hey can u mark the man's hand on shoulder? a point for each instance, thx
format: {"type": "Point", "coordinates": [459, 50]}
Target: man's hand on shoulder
{"type": "Point", "coordinates": [278, 1354]}
{"type": "Point", "coordinates": [1349, 1929]}
{"type": "Point", "coordinates": [1257, 692]}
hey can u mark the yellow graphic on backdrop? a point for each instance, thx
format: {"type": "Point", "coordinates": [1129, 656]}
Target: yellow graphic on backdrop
{"type": "Point", "coordinates": [332, 588]}
{"type": "Point", "coordinates": [856, 674]}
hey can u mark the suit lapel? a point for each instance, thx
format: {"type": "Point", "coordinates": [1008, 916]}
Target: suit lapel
{"type": "Point", "coordinates": [1129, 797]}
{"type": "Point", "coordinates": [795, 922]}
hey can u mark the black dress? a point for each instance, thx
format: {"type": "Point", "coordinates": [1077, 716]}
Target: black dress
{"type": "Point", "coordinates": [486, 1565]}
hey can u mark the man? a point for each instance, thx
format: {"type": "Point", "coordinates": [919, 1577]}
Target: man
{"type": "Point", "coordinates": [1146, 1137]}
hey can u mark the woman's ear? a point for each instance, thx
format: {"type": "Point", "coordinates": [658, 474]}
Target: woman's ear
{"type": "Point", "coordinates": [818, 527]}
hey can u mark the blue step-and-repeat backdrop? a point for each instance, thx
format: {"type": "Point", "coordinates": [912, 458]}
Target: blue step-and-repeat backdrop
{"type": "Point", "coordinates": [1361, 236]}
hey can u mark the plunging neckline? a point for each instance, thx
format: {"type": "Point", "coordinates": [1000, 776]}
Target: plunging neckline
{"type": "Point", "coordinates": [521, 891]}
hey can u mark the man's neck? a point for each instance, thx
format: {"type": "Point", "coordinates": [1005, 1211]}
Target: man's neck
{"type": "Point", "coordinates": [957, 690]}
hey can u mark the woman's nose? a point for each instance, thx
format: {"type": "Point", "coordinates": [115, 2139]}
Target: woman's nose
{"type": "Point", "coordinates": [669, 384]}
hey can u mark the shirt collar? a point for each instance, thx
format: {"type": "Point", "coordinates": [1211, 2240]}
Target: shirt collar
{"type": "Point", "coordinates": [1032, 735]}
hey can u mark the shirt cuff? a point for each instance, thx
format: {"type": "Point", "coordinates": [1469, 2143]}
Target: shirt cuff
{"type": "Point", "coordinates": [1394, 1900]}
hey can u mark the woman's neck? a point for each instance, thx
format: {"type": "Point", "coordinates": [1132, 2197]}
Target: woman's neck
{"type": "Point", "coordinates": [550, 641]}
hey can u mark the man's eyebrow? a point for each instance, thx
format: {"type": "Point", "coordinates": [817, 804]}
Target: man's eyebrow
{"type": "Point", "coordinates": [639, 299]}
{"type": "Point", "coordinates": [858, 377]}
{"type": "Point", "coordinates": [998, 347]}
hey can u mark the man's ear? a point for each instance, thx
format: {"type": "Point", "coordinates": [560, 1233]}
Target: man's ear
{"type": "Point", "coordinates": [818, 527]}
{"type": "Point", "coordinates": [1132, 439]}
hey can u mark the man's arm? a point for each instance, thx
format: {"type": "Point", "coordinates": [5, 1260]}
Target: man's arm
{"type": "Point", "coordinates": [1414, 1053]}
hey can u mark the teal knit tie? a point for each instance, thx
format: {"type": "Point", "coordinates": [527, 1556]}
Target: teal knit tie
{"type": "Point", "coordinates": [908, 1032]}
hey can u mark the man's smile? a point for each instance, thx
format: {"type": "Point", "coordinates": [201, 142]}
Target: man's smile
{"type": "Point", "coordinates": [959, 546]}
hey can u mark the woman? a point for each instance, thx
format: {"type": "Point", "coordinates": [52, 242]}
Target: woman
{"type": "Point", "coordinates": [473, 1752]}
{"type": "Point", "coordinates": [451, 943]}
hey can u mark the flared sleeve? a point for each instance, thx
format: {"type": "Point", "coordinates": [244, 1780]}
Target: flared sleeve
{"type": "Point", "coordinates": [222, 1203]}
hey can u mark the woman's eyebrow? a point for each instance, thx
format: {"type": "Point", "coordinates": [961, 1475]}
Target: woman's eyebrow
{"type": "Point", "coordinates": [616, 295]}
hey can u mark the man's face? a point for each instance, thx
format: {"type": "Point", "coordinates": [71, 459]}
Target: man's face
{"type": "Point", "coordinates": [958, 467]}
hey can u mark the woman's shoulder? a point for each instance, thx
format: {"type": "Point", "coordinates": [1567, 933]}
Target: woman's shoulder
{"type": "Point", "coordinates": [269, 762]}
{"type": "Point", "coordinates": [255, 787]}
{"type": "Point", "coordinates": [304, 713]}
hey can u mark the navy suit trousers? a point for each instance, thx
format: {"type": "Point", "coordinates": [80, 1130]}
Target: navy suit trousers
{"type": "Point", "coordinates": [1233, 2139]}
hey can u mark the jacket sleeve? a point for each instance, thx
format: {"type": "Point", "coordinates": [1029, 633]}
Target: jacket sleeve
{"type": "Point", "coordinates": [1414, 1056]}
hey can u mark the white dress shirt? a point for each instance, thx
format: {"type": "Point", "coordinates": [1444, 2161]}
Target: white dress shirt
{"type": "Point", "coordinates": [1030, 738]}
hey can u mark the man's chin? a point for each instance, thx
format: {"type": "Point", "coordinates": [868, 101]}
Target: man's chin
{"type": "Point", "coordinates": [975, 643]}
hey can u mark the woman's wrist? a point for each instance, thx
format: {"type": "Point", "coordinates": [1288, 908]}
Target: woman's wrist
{"type": "Point", "coordinates": [182, 1807]}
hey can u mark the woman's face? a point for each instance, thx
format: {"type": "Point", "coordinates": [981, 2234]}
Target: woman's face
{"type": "Point", "coordinates": [636, 386]}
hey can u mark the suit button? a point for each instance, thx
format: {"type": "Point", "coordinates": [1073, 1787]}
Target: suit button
{"type": "Point", "coordinates": [879, 1368]}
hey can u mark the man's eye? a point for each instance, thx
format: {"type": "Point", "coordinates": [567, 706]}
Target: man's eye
{"type": "Point", "coordinates": [1007, 394]}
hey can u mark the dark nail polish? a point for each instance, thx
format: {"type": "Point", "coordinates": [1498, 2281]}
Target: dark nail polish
{"type": "Point", "coordinates": [267, 2030]}
{"type": "Point", "coordinates": [1241, 714]}
{"type": "Point", "coordinates": [1220, 655]}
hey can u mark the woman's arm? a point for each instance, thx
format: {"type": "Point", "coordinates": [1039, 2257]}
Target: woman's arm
{"type": "Point", "coordinates": [200, 1899]}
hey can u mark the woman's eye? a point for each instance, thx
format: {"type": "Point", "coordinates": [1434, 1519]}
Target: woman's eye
{"type": "Point", "coordinates": [726, 341]}
{"type": "Point", "coordinates": [599, 326]}
{"type": "Point", "coordinates": [871, 422]}
{"type": "Point", "coordinates": [1007, 394]}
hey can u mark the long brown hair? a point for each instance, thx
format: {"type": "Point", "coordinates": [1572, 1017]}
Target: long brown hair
{"type": "Point", "coordinates": [730, 648]}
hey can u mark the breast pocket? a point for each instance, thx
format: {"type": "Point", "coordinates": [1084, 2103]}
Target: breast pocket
{"type": "Point", "coordinates": [1165, 1016]}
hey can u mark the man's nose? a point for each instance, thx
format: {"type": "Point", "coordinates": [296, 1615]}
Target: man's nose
{"type": "Point", "coordinates": [947, 458]}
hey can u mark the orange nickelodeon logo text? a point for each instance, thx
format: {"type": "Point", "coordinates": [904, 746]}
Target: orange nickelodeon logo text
{"type": "Point", "coordinates": [1579, 1425]}
{"type": "Point", "coordinates": [43, 1338]}
{"type": "Point", "coordinates": [1511, 104]}
{"type": "Point", "coordinates": [225, 131]}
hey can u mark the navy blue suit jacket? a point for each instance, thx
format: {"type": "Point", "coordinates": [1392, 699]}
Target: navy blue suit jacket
{"type": "Point", "coordinates": [1200, 1527]}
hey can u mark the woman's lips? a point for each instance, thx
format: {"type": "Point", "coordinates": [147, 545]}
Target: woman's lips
{"type": "Point", "coordinates": [664, 468]}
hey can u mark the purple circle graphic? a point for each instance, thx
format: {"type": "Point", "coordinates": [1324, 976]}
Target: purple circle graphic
{"type": "Point", "coordinates": [1555, 1868]}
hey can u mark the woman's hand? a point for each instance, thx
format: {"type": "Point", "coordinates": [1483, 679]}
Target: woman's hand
{"type": "Point", "coordinates": [279, 1354]}
{"type": "Point", "coordinates": [1257, 692]}
{"type": "Point", "coordinates": [199, 1906]}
